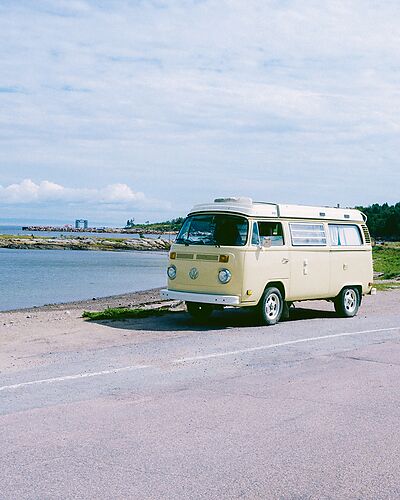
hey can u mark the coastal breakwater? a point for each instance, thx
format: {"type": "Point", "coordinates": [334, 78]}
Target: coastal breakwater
{"type": "Point", "coordinates": [105, 230]}
{"type": "Point", "coordinates": [82, 243]}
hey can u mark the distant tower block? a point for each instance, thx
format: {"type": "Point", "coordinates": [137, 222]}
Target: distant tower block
{"type": "Point", "coordinates": [79, 223]}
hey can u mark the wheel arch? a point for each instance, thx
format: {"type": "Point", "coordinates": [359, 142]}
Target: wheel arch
{"type": "Point", "coordinates": [277, 284]}
{"type": "Point", "coordinates": [357, 286]}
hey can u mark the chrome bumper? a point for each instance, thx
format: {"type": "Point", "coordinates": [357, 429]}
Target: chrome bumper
{"type": "Point", "coordinates": [204, 298]}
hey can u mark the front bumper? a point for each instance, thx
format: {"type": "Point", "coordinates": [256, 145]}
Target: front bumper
{"type": "Point", "coordinates": [204, 298]}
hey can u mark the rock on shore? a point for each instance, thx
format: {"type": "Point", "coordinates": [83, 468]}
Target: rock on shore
{"type": "Point", "coordinates": [82, 243]}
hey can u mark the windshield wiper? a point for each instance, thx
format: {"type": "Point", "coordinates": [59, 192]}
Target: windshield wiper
{"type": "Point", "coordinates": [183, 241]}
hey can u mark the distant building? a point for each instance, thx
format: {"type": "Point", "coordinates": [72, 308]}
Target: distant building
{"type": "Point", "coordinates": [81, 223]}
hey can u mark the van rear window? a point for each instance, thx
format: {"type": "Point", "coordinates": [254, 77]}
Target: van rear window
{"type": "Point", "coordinates": [304, 234]}
{"type": "Point", "coordinates": [344, 235]}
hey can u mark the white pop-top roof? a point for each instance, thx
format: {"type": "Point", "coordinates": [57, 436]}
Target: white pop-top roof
{"type": "Point", "coordinates": [247, 206]}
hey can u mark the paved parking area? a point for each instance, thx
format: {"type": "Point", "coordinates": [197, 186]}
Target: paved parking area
{"type": "Point", "coordinates": [163, 408]}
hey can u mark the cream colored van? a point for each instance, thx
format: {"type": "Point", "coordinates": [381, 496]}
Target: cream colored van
{"type": "Point", "coordinates": [236, 252]}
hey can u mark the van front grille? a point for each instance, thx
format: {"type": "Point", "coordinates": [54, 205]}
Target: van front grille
{"type": "Point", "coordinates": [185, 256]}
{"type": "Point", "coordinates": [213, 258]}
{"type": "Point", "coordinates": [366, 234]}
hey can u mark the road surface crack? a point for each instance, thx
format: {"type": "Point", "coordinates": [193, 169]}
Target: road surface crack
{"type": "Point", "coordinates": [367, 360]}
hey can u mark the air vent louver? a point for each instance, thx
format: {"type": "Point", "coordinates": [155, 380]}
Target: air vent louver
{"type": "Point", "coordinates": [367, 236]}
{"type": "Point", "coordinates": [207, 257]}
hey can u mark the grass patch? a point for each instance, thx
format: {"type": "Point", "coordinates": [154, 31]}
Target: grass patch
{"type": "Point", "coordinates": [387, 260]}
{"type": "Point", "coordinates": [388, 285]}
{"type": "Point", "coordinates": [19, 237]}
{"type": "Point", "coordinates": [389, 244]}
{"type": "Point", "coordinates": [119, 313]}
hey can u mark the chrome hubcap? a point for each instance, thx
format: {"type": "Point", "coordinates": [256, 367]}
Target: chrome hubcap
{"type": "Point", "coordinates": [350, 300]}
{"type": "Point", "coordinates": [272, 306]}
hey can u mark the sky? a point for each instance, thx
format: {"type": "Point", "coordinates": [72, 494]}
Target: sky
{"type": "Point", "coordinates": [113, 109]}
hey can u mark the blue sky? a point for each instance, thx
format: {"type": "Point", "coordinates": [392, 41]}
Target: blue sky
{"type": "Point", "coordinates": [116, 109]}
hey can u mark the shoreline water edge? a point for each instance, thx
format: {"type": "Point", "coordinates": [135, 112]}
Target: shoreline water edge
{"type": "Point", "coordinates": [138, 298]}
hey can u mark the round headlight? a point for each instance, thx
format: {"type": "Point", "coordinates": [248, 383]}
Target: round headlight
{"type": "Point", "coordinates": [224, 276]}
{"type": "Point", "coordinates": [171, 271]}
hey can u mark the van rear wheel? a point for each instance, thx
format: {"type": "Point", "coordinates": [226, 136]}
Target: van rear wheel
{"type": "Point", "coordinates": [271, 306]}
{"type": "Point", "coordinates": [347, 302]}
{"type": "Point", "coordinates": [199, 311]}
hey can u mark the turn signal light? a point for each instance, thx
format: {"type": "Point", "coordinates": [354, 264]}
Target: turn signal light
{"type": "Point", "coordinates": [172, 255]}
{"type": "Point", "coordinates": [224, 258]}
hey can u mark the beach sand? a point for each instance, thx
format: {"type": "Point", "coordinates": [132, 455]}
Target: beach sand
{"type": "Point", "coordinates": [28, 336]}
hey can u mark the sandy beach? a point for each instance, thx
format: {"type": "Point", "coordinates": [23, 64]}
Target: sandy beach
{"type": "Point", "coordinates": [28, 336]}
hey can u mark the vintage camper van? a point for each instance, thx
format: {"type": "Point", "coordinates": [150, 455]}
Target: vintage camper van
{"type": "Point", "coordinates": [236, 252]}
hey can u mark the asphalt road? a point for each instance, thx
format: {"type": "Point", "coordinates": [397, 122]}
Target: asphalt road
{"type": "Point", "coordinates": [309, 408]}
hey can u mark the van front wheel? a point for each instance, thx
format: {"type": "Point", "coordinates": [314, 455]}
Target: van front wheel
{"type": "Point", "coordinates": [198, 311]}
{"type": "Point", "coordinates": [347, 302]}
{"type": "Point", "coordinates": [271, 306]}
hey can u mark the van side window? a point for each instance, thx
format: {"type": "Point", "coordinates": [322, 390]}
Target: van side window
{"type": "Point", "coordinates": [344, 235]}
{"type": "Point", "coordinates": [304, 234]}
{"type": "Point", "coordinates": [255, 239]}
{"type": "Point", "coordinates": [271, 232]}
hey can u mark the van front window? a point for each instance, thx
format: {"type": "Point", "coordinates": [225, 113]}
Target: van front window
{"type": "Point", "coordinates": [219, 229]}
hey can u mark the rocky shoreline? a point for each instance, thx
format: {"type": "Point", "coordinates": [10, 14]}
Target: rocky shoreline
{"type": "Point", "coordinates": [83, 243]}
{"type": "Point", "coordinates": [142, 298]}
{"type": "Point", "coordinates": [105, 230]}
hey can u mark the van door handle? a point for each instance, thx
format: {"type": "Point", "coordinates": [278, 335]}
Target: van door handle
{"type": "Point", "coordinates": [285, 261]}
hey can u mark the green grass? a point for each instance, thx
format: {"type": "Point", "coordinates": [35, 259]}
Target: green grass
{"type": "Point", "coordinates": [119, 313]}
{"type": "Point", "coordinates": [387, 260]}
{"type": "Point", "coordinates": [20, 237]}
{"type": "Point", "coordinates": [388, 285]}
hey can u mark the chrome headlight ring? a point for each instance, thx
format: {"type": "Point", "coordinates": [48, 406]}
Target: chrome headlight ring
{"type": "Point", "coordinates": [224, 276]}
{"type": "Point", "coordinates": [171, 271]}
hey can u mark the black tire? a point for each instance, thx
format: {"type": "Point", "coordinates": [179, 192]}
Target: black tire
{"type": "Point", "coordinates": [198, 311]}
{"type": "Point", "coordinates": [347, 302]}
{"type": "Point", "coordinates": [271, 306]}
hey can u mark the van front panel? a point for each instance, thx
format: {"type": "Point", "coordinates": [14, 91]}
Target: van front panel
{"type": "Point", "coordinates": [197, 268]}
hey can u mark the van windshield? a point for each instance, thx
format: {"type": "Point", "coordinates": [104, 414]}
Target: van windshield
{"type": "Point", "coordinates": [214, 229]}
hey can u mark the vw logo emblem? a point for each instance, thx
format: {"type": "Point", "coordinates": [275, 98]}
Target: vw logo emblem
{"type": "Point", "coordinates": [193, 273]}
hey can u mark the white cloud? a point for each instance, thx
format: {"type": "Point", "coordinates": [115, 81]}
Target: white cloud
{"type": "Point", "coordinates": [119, 193]}
{"type": "Point", "coordinates": [27, 192]}
{"type": "Point", "coordinates": [177, 96]}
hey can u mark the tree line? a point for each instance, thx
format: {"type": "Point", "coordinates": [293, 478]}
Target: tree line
{"type": "Point", "coordinates": [168, 225]}
{"type": "Point", "coordinates": [383, 221]}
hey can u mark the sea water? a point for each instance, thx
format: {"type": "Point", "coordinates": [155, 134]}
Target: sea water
{"type": "Point", "coordinates": [37, 277]}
